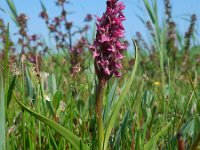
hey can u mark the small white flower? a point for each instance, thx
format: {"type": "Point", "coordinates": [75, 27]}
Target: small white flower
{"type": "Point", "coordinates": [44, 75]}
{"type": "Point", "coordinates": [47, 98]}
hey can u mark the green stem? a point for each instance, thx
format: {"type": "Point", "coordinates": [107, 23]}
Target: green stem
{"type": "Point", "coordinates": [196, 142]}
{"type": "Point", "coordinates": [23, 114]}
{"type": "Point", "coordinates": [99, 108]}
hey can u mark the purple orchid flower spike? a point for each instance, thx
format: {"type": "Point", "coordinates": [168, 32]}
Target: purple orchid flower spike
{"type": "Point", "coordinates": [107, 47]}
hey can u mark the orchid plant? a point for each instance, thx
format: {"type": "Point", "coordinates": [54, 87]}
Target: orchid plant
{"type": "Point", "coordinates": [107, 51]}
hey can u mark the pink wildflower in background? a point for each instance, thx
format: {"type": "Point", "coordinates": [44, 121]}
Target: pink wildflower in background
{"type": "Point", "coordinates": [107, 48]}
{"type": "Point", "coordinates": [88, 18]}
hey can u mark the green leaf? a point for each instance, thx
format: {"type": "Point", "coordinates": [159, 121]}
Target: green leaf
{"type": "Point", "coordinates": [110, 99]}
{"type": "Point", "coordinates": [30, 89]}
{"type": "Point", "coordinates": [141, 19]}
{"type": "Point", "coordinates": [155, 10]}
{"type": "Point", "coordinates": [148, 7]}
{"type": "Point", "coordinates": [12, 7]}
{"type": "Point", "coordinates": [50, 107]}
{"type": "Point", "coordinates": [6, 59]}
{"type": "Point", "coordinates": [189, 128]}
{"type": "Point", "coordinates": [74, 140]}
{"type": "Point", "coordinates": [3, 81]}
{"type": "Point", "coordinates": [56, 99]}
{"type": "Point", "coordinates": [10, 90]}
{"type": "Point", "coordinates": [2, 9]}
{"type": "Point", "coordinates": [194, 51]}
{"type": "Point", "coordinates": [150, 144]}
{"type": "Point", "coordinates": [13, 10]}
{"type": "Point", "coordinates": [195, 92]}
{"type": "Point", "coordinates": [2, 115]}
{"type": "Point", "coordinates": [80, 105]}
{"type": "Point", "coordinates": [43, 6]}
{"type": "Point", "coordinates": [52, 84]}
{"type": "Point", "coordinates": [196, 134]}
{"type": "Point", "coordinates": [121, 133]}
{"type": "Point", "coordinates": [116, 108]}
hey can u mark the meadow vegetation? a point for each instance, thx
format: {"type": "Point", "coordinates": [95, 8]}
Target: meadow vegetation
{"type": "Point", "coordinates": [48, 94]}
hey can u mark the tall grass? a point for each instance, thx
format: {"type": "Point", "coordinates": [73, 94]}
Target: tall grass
{"type": "Point", "coordinates": [154, 105]}
{"type": "Point", "coordinates": [2, 115]}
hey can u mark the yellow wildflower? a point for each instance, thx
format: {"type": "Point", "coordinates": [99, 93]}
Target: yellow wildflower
{"type": "Point", "coordinates": [157, 83]}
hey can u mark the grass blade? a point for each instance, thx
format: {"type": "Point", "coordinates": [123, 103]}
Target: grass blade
{"type": "Point", "coordinates": [121, 133]}
{"type": "Point", "coordinates": [118, 104]}
{"type": "Point", "coordinates": [149, 145]}
{"type": "Point", "coordinates": [52, 84]}
{"type": "Point", "coordinates": [2, 115]}
{"type": "Point", "coordinates": [12, 7]}
{"type": "Point", "coordinates": [72, 138]}
{"type": "Point", "coordinates": [30, 88]}
{"type": "Point", "coordinates": [10, 90]}
{"type": "Point", "coordinates": [1, 9]}
{"type": "Point", "coordinates": [7, 45]}
{"type": "Point", "coordinates": [43, 6]}
{"type": "Point", "coordinates": [194, 90]}
{"type": "Point", "coordinates": [110, 99]}
{"type": "Point", "coordinates": [13, 10]}
{"type": "Point", "coordinates": [148, 7]}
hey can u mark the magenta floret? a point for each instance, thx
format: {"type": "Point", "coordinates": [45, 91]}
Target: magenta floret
{"type": "Point", "coordinates": [107, 47]}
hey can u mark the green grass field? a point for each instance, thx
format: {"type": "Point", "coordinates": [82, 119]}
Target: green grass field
{"type": "Point", "coordinates": [47, 96]}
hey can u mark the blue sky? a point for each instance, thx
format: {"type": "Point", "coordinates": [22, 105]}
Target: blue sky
{"type": "Point", "coordinates": [181, 10]}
